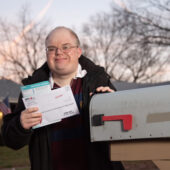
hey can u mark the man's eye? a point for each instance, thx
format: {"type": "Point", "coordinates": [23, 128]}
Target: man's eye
{"type": "Point", "coordinates": [51, 49]}
{"type": "Point", "coordinates": [65, 47]}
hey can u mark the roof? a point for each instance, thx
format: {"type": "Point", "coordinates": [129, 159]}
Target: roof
{"type": "Point", "coordinates": [120, 85]}
{"type": "Point", "coordinates": [10, 89]}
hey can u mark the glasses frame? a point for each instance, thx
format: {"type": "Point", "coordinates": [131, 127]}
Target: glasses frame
{"type": "Point", "coordinates": [63, 49]}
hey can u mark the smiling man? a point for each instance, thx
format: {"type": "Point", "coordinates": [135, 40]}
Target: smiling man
{"type": "Point", "coordinates": [63, 52]}
{"type": "Point", "coordinates": [63, 145]}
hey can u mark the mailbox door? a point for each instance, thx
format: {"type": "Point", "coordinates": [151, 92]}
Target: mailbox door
{"type": "Point", "coordinates": [149, 109]}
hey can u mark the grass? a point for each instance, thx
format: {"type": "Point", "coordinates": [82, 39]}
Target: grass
{"type": "Point", "coordinates": [10, 158]}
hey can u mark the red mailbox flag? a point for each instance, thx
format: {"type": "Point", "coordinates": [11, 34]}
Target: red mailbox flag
{"type": "Point", "coordinates": [127, 120]}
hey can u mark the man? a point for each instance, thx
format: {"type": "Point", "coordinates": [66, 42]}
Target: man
{"type": "Point", "coordinates": [63, 145]}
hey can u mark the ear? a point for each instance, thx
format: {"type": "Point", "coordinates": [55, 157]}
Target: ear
{"type": "Point", "coordinates": [79, 52]}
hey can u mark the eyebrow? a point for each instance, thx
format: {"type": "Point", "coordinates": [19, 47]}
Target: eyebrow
{"type": "Point", "coordinates": [52, 46]}
{"type": "Point", "coordinates": [66, 44]}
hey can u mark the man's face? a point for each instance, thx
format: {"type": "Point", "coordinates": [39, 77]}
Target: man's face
{"type": "Point", "coordinates": [64, 59]}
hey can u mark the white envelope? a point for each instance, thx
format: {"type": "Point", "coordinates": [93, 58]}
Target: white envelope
{"type": "Point", "coordinates": [54, 105]}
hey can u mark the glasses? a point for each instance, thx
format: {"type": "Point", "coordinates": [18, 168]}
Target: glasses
{"type": "Point", "coordinates": [64, 49]}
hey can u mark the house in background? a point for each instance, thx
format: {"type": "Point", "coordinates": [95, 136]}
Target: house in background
{"type": "Point", "coordinates": [10, 89]}
{"type": "Point", "coordinates": [120, 85]}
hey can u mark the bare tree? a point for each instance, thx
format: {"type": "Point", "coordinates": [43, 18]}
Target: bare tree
{"type": "Point", "coordinates": [130, 45]}
{"type": "Point", "coordinates": [103, 36]}
{"type": "Point", "coordinates": [22, 51]}
{"type": "Point", "coordinates": [154, 22]}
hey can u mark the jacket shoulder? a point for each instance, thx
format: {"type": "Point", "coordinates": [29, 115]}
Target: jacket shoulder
{"type": "Point", "coordinates": [90, 66]}
{"type": "Point", "coordinates": [41, 74]}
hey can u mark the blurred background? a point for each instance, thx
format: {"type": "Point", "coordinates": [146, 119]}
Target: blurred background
{"type": "Point", "coordinates": [130, 38]}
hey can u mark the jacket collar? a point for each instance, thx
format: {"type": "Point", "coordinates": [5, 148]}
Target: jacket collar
{"type": "Point", "coordinates": [43, 73]}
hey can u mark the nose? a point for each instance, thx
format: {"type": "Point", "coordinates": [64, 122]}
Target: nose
{"type": "Point", "coordinates": [58, 51]}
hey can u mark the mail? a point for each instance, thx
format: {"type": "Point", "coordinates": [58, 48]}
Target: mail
{"type": "Point", "coordinates": [54, 105]}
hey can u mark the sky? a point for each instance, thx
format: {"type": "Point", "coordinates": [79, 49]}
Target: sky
{"type": "Point", "coordinates": [70, 13]}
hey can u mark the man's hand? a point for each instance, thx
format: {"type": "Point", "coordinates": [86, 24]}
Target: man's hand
{"type": "Point", "coordinates": [30, 117]}
{"type": "Point", "coordinates": [103, 89]}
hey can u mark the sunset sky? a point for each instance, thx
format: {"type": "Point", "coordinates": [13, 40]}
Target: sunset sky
{"type": "Point", "coordinates": [60, 12]}
{"type": "Point", "coordinates": [70, 13]}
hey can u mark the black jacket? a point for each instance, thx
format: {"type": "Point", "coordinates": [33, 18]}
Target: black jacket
{"type": "Point", "coordinates": [38, 140]}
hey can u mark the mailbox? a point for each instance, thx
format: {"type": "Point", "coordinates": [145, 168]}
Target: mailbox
{"type": "Point", "coordinates": [131, 114]}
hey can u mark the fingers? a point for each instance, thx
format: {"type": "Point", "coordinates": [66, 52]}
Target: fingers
{"type": "Point", "coordinates": [30, 117]}
{"type": "Point", "coordinates": [32, 109]}
{"type": "Point", "coordinates": [103, 89]}
{"type": "Point", "coordinates": [90, 93]}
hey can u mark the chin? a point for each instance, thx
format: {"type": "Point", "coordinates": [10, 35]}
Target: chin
{"type": "Point", "coordinates": [61, 70]}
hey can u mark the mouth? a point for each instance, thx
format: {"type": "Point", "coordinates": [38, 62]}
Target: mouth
{"type": "Point", "coordinates": [60, 59]}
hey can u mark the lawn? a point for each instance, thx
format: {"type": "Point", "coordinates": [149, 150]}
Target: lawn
{"type": "Point", "coordinates": [10, 158]}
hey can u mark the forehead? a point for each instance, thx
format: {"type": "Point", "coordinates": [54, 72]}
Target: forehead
{"type": "Point", "coordinates": [60, 37]}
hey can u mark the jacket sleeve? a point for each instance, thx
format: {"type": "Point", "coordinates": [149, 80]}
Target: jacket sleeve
{"type": "Point", "coordinates": [104, 80]}
{"type": "Point", "coordinates": [14, 135]}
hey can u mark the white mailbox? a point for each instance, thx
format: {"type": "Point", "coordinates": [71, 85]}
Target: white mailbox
{"type": "Point", "coordinates": [131, 114]}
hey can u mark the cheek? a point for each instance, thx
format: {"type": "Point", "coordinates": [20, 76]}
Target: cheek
{"type": "Point", "coordinates": [74, 56]}
{"type": "Point", "coordinates": [73, 60]}
{"type": "Point", "coordinates": [50, 60]}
